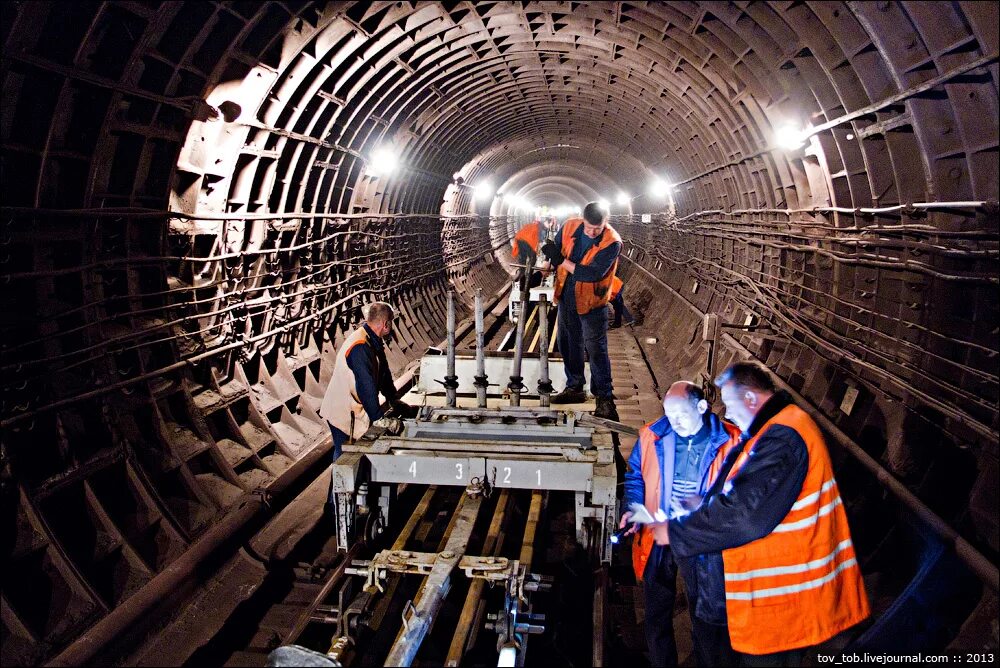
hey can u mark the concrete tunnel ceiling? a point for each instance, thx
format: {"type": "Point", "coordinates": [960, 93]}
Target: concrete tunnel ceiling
{"type": "Point", "coordinates": [191, 225]}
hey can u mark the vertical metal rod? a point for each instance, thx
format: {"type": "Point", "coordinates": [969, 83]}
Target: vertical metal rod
{"type": "Point", "coordinates": [451, 380]}
{"type": "Point", "coordinates": [480, 381]}
{"type": "Point", "coordinates": [544, 384]}
{"type": "Point", "coordinates": [516, 386]}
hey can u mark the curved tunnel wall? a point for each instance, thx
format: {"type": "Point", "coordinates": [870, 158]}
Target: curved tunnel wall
{"type": "Point", "coordinates": [190, 228]}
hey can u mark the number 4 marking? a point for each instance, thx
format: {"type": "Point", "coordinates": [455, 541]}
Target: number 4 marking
{"type": "Point", "coordinates": [413, 468]}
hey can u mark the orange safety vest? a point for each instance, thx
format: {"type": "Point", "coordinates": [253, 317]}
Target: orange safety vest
{"type": "Point", "coordinates": [616, 287]}
{"type": "Point", "coordinates": [529, 234]}
{"type": "Point", "coordinates": [649, 465]}
{"type": "Point", "coordinates": [800, 585]}
{"type": "Point", "coordinates": [642, 544]}
{"type": "Point", "coordinates": [589, 296]}
{"type": "Point", "coordinates": [341, 406]}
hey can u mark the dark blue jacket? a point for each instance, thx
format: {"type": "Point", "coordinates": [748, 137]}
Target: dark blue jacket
{"type": "Point", "coordinates": [372, 375]}
{"type": "Point", "coordinates": [745, 510]}
{"type": "Point", "coordinates": [666, 444]}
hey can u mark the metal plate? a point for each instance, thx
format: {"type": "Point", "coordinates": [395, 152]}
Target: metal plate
{"type": "Point", "coordinates": [522, 474]}
{"type": "Point", "coordinates": [426, 470]}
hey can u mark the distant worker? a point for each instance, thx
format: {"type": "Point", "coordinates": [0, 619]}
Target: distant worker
{"type": "Point", "coordinates": [668, 471]}
{"type": "Point", "coordinates": [618, 305]}
{"type": "Point", "coordinates": [787, 573]}
{"type": "Point", "coordinates": [525, 248]}
{"type": "Point", "coordinates": [360, 373]}
{"type": "Point", "coordinates": [585, 256]}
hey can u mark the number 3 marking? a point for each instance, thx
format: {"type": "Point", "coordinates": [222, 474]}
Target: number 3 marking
{"type": "Point", "coordinates": [459, 467]}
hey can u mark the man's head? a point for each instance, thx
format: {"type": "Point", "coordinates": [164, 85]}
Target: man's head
{"type": "Point", "coordinates": [380, 317]}
{"type": "Point", "coordinates": [595, 219]}
{"type": "Point", "coordinates": [745, 388]}
{"type": "Point", "coordinates": [685, 406]}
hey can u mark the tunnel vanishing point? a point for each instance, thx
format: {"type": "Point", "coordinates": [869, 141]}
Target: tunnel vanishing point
{"type": "Point", "coordinates": [199, 198]}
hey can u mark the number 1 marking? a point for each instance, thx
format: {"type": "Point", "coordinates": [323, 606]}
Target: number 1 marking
{"type": "Point", "coordinates": [538, 472]}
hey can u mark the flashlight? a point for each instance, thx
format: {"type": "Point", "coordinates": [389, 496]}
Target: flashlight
{"type": "Point", "coordinates": [617, 536]}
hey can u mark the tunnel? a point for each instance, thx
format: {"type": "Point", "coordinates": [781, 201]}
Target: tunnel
{"type": "Point", "coordinates": [200, 199]}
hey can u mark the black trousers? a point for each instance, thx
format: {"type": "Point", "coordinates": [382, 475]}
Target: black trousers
{"type": "Point", "coordinates": [659, 587]}
{"type": "Point", "coordinates": [712, 648]}
{"type": "Point", "coordinates": [792, 657]}
{"type": "Point", "coordinates": [711, 645]}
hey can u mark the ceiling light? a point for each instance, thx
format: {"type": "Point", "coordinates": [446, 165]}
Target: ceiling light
{"type": "Point", "coordinates": [603, 203]}
{"type": "Point", "coordinates": [658, 187]}
{"type": "Point", "coordinates": [789, 137]}
{"type": "Point", "coordinates": [623, 198]}
{"type": "Point", "coordinates": [483, 190]}
{"type": "Point", "coordinates": [382, 162]}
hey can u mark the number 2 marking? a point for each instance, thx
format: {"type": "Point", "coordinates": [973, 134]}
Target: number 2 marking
{"type": "Point", "coordinates": [413, 468]}
{"type": "Point", "coordinates": [506, 478]}
{"type": "Point", "coordinates": [459, 467]}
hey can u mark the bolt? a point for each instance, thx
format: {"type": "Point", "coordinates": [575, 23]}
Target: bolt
{"type": "Point", "coordinates": [447, 554]}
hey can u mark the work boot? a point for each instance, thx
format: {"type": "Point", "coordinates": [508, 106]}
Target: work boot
{"type": "Point", "coordinates": [570, 395]}
{"type": "Point", "coordinates": [606, 409]}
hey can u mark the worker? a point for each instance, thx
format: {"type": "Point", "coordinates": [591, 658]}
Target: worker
{"type": "Point", "coordinates": [360, 373]}
{"type": "Point", "coordinates": [771, 535]}
{"type": "Point", "coordinates": [525, 246]}
{"type": "Point", "coordinates": [667, 470]}
{"type": "Point", "coordinates": [585, 255]}
{"type": "Point", "coordinates": [618, 305]}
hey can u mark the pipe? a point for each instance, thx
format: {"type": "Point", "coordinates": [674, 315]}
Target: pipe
{"type": "Point", "coordinates": [451, 380]}
{"type": "Point", "coordinates": [481, 381]}
{"type": "Point", "coordinates": [515, 385]}
{"type": "Point", "coordinates": [544, 383]}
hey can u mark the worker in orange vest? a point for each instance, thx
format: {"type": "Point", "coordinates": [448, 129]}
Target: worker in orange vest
{"type": "Point", "coordinates": [771, 542]}
{"type": "Point", "coordinates": [524, 248]}
{"type": "Point", "coordinates": [618, 305]}
{"type": "Point", "coordinates": [667, 471]}
{"type": "Point", "coordinates": [585, 257]}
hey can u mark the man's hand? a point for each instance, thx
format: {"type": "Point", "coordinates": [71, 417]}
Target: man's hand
{"type": "Point", "coordinates": [568, 266]}
{"type": "Point", "coordinates": [626, 516]}
{"type": "Point", "coordinates": [392, 426]}
{"type": "Point", "coordinates": [552, 253]}
{"type": "Point", "coordinates": [660, 535]}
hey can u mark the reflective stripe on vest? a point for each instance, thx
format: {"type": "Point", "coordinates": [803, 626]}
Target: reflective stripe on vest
{"type": "Point", "coordinates": [800, 585]}
{"type": "Point", "coordinates": [589, 296]}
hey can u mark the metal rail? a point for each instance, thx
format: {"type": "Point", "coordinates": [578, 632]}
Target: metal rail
{"type": "Point", "coordinates": [435, 587]}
